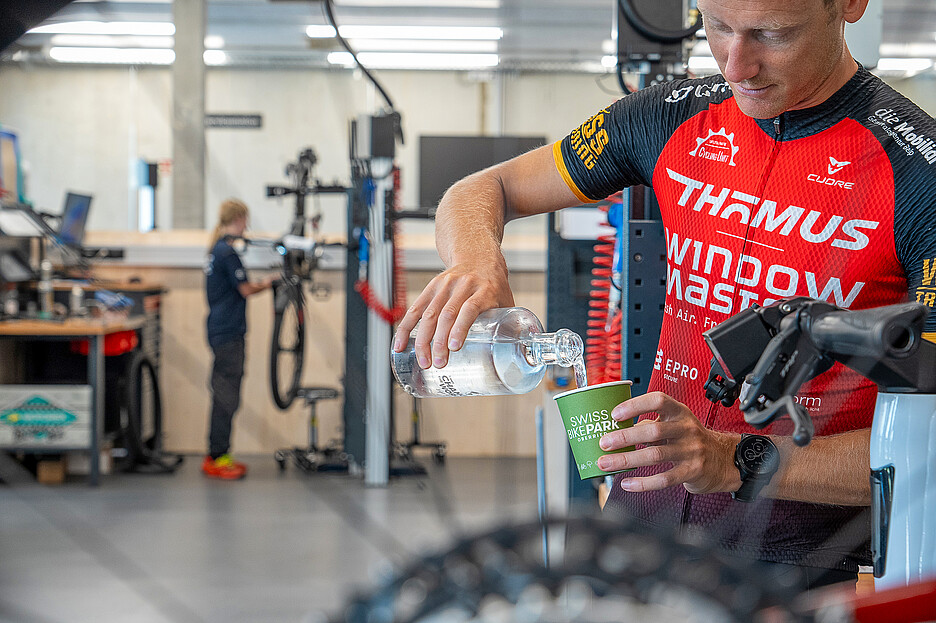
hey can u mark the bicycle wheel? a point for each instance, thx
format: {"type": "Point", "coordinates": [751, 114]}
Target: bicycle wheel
{"type": "Point", "coordinates": [611, 571]}
{"type": "Point", "coordinates": [288, 345]}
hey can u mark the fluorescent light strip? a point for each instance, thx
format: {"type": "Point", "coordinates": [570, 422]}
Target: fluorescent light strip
{"type": "Point", "coordinates": [215, 57]}
{"type": "Point", "coordinates": [468, 4]}
{"type": "Point", "coordinates": [111, 41]}
{"type": "Point", "coordinates": [403, 60]}
{"type": "Point", "coordinates": [114, 56]}
{"type": "Point", "coordinates": [107, 28]}
{"type": "Point", "coordinates": [904, 64]}
{"type": "Point", "coordinates": [484, 33]}
{"type": "Point", "coordinates": [421, 45]}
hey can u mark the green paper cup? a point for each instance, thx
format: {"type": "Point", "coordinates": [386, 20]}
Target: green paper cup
{"type": "Point", "coordinates": [586, 414]}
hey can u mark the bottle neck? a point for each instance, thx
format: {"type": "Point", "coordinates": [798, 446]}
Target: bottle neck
{"type": "Point", "coordinates": [561, 348]}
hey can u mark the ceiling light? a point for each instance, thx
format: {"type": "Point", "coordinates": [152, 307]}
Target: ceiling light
{"type": "Point", "coordinates": [421, 32]}
{"type": "Point", "coordinates": [487, 33]}
{"type": "Point", "coordinates": [214, 42]}
{"type": "Point", "coordinates": [110, 41]}
{"type": "Point", "coordinates": [107, 28]}
{"type": "Point", "coordinates": [320, 31]}
{"type": "Point", "coordinates": [414, 60]}
{"type": "Point", "coordinates": [421, 45]}
{"type": "Point", "coordinates": [215, 57]}
{"type": "Point", "coordinates": [120, 56]}
{"type": "Point", "coordinates": [609, 61]}
{"type": "Point", "coordinates": [469, 4]}
{"type": "Point", "coordinates": [904, 64]}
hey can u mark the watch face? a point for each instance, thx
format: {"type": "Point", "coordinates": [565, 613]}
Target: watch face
{"type": "Point", "coordinates": [758, 454]}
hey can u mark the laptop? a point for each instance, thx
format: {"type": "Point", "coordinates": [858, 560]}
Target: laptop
{"type": "Point", "coordinates": [74, 217]}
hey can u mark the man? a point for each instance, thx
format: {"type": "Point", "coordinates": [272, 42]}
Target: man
{"type": "Point", "coordinates": [794, 173]}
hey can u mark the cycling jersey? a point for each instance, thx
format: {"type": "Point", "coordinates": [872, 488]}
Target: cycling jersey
{"type": "Point", "coordinates": [833, 202]}
{"type": "Point", "coordinates": [227, 307]}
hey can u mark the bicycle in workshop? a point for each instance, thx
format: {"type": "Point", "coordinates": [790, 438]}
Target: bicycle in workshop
{"type": "Point", "coordinates": [301, 249]}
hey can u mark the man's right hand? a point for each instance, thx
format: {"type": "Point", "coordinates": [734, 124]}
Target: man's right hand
{"type": "Point", "coordinates": [469, 230]}
{"type": "Point", "coordinates": [448, 306]}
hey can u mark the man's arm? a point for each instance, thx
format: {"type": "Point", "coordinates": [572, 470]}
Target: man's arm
{"type": "Point", "coordinates": [469, 230]}
{"type": "Point", "coordinates": [830, 470]}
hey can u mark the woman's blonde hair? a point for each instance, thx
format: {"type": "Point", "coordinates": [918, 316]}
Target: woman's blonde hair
{"type": "Point", "coordinates": [230, 210]}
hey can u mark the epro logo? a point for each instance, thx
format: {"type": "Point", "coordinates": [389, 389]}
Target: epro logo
{"type": "Point", "coordinates": [717, 146]}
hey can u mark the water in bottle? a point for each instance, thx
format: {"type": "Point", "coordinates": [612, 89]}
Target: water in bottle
{"type": "Point", "coordinates": [505, 352]}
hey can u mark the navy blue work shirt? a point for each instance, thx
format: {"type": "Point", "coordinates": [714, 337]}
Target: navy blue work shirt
{"type": "Point", "coordinates": [227, 307]}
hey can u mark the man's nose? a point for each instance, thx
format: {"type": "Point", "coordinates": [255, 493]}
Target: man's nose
{"type": "Point", "coordinates": [742, 63]}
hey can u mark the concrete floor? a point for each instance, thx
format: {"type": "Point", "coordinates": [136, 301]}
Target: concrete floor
{"type": "Point", "coordinates": [274, 547]}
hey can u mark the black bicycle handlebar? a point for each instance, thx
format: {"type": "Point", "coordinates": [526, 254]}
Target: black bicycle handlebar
{"type": "Point", "coordinates": [882, 332]}
{"type": "Point", "coordinates": [778, 348]}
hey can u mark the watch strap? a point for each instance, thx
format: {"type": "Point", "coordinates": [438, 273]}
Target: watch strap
{"type": "Point", "coordinates": [750, 488]}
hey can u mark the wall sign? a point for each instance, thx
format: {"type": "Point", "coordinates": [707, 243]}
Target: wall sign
{"type": "Point", "coordinates": [248, 122]}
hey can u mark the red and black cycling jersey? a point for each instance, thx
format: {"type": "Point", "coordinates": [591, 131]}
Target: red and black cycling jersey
{"type": "Point", "coordinates": [834, 202]}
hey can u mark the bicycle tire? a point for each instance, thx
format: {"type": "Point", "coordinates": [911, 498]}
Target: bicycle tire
{"type": "Point", "coordinates": [288, 344]}
{"type": "Point", "coordinates": [612, 570]}
{"type": "Point", "coordinates": [144, 455]}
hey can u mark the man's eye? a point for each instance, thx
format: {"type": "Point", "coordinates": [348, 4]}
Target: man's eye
{"type": "Point", "coordinates": [772, 35]}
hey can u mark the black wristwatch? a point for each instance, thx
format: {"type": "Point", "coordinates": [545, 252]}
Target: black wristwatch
{"type": "Point", "coordinates": [757, 459]}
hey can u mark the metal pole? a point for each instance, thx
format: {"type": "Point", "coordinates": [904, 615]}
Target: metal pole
{"type": "Point", "coordinates": [377, 414]}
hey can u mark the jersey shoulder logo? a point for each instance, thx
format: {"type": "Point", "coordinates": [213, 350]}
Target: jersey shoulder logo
{"type": "Point", "coordinates": [835, 166]}
{"type": "Point", "coordinates": [699, 91]}
{"type": "Point", "coordinates": [717, 146]}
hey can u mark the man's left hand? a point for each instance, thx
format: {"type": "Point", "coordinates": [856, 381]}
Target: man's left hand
{"type": "Point", "coordinates": [702, 459]}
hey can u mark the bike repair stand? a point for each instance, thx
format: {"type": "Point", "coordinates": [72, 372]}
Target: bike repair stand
{"type": "Point", "coordinates": [312, 458]}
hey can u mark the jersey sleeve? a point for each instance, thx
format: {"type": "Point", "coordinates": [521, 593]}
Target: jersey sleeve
{"type": "Point", "coordinates": [234, 269]}
{"type": "Point", "coordinates": [619, 145]}
{"type": "Point", "coordinates": [915, 234]}
{"type": "Point", "coordinates": [914, 166]}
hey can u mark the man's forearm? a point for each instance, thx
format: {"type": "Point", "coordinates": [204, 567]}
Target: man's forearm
{"type": "Point", "coordinates": [831, 470]}
{"type": "Point", "coordinates": [470, 220]}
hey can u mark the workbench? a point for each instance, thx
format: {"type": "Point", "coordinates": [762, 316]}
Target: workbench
{"type": "Point", "coordinates": [92, 329]}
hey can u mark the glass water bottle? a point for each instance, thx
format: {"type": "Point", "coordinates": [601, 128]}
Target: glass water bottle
{"type": "Point", "coordinates": [506, 352]}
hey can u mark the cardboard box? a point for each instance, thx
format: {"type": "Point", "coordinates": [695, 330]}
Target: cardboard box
{"type": "Point", "coordinates": [51, 471]}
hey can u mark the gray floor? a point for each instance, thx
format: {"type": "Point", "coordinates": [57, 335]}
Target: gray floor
{"type": "Point", "coordinates": [274, 547]}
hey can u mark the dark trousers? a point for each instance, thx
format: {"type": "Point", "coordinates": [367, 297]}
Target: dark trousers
{"type": "Point", "coordinates": [227, 372]}
{"type": "Point", "coordinates": [812, 577]}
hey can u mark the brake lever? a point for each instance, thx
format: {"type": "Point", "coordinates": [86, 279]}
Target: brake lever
{"type": "Point", "coordinates": [768, 395]}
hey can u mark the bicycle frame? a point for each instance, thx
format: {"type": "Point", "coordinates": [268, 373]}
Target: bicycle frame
{"type": "Point", "coordinates": [300, 259]}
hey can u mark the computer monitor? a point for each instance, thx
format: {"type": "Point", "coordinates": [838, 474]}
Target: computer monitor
{"type": "Point", "coordinates": [74, 217]}
{"type": "Point", "coordinates": [443, 160]}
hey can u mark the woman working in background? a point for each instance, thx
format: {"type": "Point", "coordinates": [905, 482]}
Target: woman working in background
{"type": "Point", "coordinates": [227, 287]}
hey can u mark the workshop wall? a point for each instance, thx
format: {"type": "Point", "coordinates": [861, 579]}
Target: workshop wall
{"type": "Point", "coordinates": [84, 128]}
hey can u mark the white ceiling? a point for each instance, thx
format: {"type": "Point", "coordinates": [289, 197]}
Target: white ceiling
{"type": "Point", "coordinates": [538, 35]}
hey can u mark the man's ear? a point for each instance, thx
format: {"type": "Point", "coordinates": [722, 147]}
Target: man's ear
{"type": "Point", "coordinates": [853, 10]}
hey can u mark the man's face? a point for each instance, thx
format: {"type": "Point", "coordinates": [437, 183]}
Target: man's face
{"type": "Point", "coordinates": [776, 55]}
